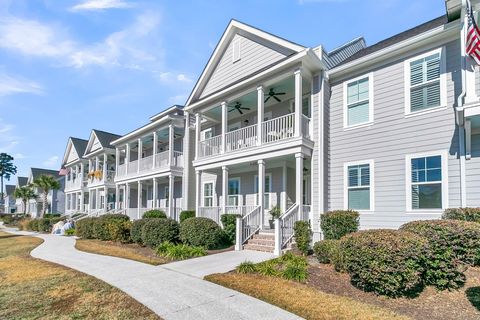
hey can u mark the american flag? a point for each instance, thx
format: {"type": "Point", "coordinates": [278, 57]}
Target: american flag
{"type": "Point", "coordinates": [473, 37]}
{"type": "Point", "coordinates": [64, 171]}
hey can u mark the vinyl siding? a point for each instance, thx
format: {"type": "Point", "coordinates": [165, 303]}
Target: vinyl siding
{"type": "Point", "coordinates": [473, 174]}
{"type": "Point", "coordinates": [254, 56]}
{"type": "Point", "coordinates": [391, 137]}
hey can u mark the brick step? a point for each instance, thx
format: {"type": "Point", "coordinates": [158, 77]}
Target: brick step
{"type": "Point", "coordinates": [262, 242]}
{"type": "Point", "coordinates": [258, 248]}
{"type": "Point", "coordinates": [263, 236]}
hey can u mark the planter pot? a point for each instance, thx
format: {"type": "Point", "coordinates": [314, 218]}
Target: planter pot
{"type": "Point", "coordinates": [272, 224]}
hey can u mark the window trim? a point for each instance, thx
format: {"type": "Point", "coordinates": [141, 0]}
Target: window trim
{"type": "Point", "coordinates": [239, 195]}
{"type": "Point", "coordinates": [212, 196]}
{"type": "Point", "coordinates": [371, 163]}
{"type": "Point", "coordinates": [370, 102]}
{"type": "Point", "coordinates": [443, 82]}
{"type": "Point", "coordinates": [408, 181]}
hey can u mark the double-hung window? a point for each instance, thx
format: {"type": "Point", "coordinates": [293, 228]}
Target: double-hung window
{"type": "Point", "coordinates": [424, 82]}
{"type": "Point", "coordinates": [427, 182]}
{"type": "Point", "coordinates": [233, 191]}
{"type": "Point", "coordinates": [358, 101]}
{"type": "Point", "coordinates": [208, 194]}
{"type": "Point", "coordinates": [358, 191]}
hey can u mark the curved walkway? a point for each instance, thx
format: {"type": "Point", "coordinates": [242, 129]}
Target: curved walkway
{"type": "Point", "coordinates": [170, 293]}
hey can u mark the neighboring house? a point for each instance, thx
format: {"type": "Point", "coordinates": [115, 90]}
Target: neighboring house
{"type": "Point", "coordinates": [149, 162]}
{"type": "Point", "coordinates": [76, 170]}
{"type": "Point", "coordinates": [21, 181]}
{"type": "Point", "coordinates": [100, 156]}
{"type": "Point", "coordinates": [56, 198]}
{"type": "Point", "coordinates": [9, 199]}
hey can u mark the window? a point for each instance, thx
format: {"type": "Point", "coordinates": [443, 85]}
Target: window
{"type": "Point", "coordinates": [236, 49]}
{"type": "Point", "coordinates": [358, 101]}
{"type": "Point", "coordinates": [267, 190]}
{"type": "Point", "coordinates": [359, 186]}
{"type": "Point", "coordinates": [206, 134]}
{"type": "Point", "coordinates": [233, 191]}
{"type": "Point", "coordinates": [426, 182]}
{"type": "Point", "coordinates": [425, 87]}
{"type": "Point", "coordinates": [208, 194]}
{"type": "Point", "coordinates": [167, 196]}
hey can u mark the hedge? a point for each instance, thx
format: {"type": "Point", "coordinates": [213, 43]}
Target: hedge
{"type": "Point", "coordinates": [229, 223]}
{"type": "Point", "coordinates": [84, 228]}
{"type": "Point", "coordinates": [327, 251]}
{"type": "Point", "coordinates": [202, 232]}
{"type": "Point", "coordinates": [303, 236]}
{"type": "Point", "coordinates": [387, 262]}
{"type": "Point", "coordinates": [113, 227]}
{"type": "Point", "coordinates": [336, 224]}
{"type": "Point", "coordinates": [467, 214]}
{"type": "Point", "coordinates": [154, 214]}
{"type": "Point", "coordinates": [184, 215]}
{"type": "Point", "coordinates": [158, 230]}
{"type": "Point", "coordinates": [136, 230]}
{"type": "Point", "coordinates": [42, 224]}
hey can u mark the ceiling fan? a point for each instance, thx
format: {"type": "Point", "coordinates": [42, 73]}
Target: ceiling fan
{"type": "Point", "coordinates": [272, 94]}
{"type": "Point", "coordinates": [238, 106]}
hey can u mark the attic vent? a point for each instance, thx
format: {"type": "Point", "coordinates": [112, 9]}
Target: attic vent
{"type": "Point", "coordinates": [236, 50]}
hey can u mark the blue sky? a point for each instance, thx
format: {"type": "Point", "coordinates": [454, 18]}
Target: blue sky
{"type": "Point", "coordinates": [67, 66]}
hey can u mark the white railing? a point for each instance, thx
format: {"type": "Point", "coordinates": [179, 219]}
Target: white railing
{"type": "Point", "coordinates": [239, 210]}
{"type": "Point", "coordinates": [210, 147]}
{"type": "Point", "coordinates": [110, 176]}
{"type": "Point", "coordinates": [251, 223]}
{"type": "Point", "coordinates": [306, 126]}
{"type": "Point", "coordinates": [146, 163]}
{"type": "Point", "coordinates": [122, 170]}
{"type": "Point", "coordinates": [278, 128]}
{"type": "Point", "coordinates": [161, 159]}
{"type": "Point", "coordinates": [287, 222]}
{"type": "Point", "coordinates": [132, 213]}
{"type": "Point", "coordinates": [176, 214]}
{"type": "Point", "coordinates": [306, 210]}
{"type": "Point", "coordinates": [241, 138]}
{"type": "Point", "coordinates": [133, 167]}
{"type": "Point", "coordinates": [178, 159]}
{"type": "Point", "coordinates": [211, 213]}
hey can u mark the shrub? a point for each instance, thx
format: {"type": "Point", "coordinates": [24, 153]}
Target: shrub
{"type": "Point", "coordinates": [246, 267]}
{"type": "Point", "coordinates": [268, 268]}
{"type": "Point", "coordinates": [184, 215]}
{"type": "Point", "coordinates": [202, 232]}
{"type": "Point", "coordinates": [451, 242]}
{"type": "Point", "coordinates": [85, 228]}
{"type": "Point", "coordinates": [24, 224]}
{"type": "Point", "coordinates": [326, 251]}
{"type": "Point", "coordinates": [229, 223]}
{"type": "Point", "coordinates": [136, 230]}
{"type": "Point", "coordinates": [386, 262]}
{"type": "Point", "coordinates": [295, 272]}
{"type": "Point", "coordinates": [32, 225]}
{"type": "Point", "coordinates": [70, 232]}
{"type": "Point", "coordinates": [154, 214]}
{"type": "Point", "coordinates": [116, 227]}
{"type": "Point", "coordinates": [158, 230]}
{"type": "Point", "coordinates": [467, 214]}
{"type": "Point", "coordinates": [179, 251]}
{"type": "Point", "coordinates": [336, 224]}
{"type": "Point", "coordinates": [303, 235]}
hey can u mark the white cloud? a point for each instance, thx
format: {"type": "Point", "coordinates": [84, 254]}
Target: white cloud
{"type": "Point", "coordinates": [51, 162]}
{"type": "Point", "coordinates": [183, 78]}
{"type": "Point", "coordinates": [13, 85]}
{"type": "Point", "coordinates": [172, 78]}
{"type": "Point", "coordinates": [8, 140]}
{"type": "Point", "coordinates": [91, 5]}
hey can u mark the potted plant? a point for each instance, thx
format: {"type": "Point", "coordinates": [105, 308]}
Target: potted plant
{"type": "Point", "coordinates": [275, 213]}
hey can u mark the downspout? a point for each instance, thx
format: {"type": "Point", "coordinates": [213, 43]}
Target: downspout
{"type": "Point", "coordinates": [460, 114]}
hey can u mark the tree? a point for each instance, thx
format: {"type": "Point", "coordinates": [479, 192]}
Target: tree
{"type": "Point", "coordinates": [25, 193]}
{"type": "Point", "coordinates": [7, 169]}
{"type": "Point", "coordinates": [46, 183]}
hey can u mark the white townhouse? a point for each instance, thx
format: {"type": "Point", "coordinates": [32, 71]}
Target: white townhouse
{"type": "Point", "coordinates": [55, 198]}
{"type": "Point", "coordinates": [100, 174]}
{"type": "Point", "coordinates": [149, 162]}
{"type": "Point", "coordinates": [75, 168]}
{"type": "Point", "coordinates": [21, 181]}
{"type": "Point", "coordinates": [9, 199]}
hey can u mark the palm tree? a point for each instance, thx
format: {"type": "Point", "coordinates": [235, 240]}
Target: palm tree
{"type": "Point", "coordinates": [25, 193]}
{"type": "Point", "coordinates": [46, 183]}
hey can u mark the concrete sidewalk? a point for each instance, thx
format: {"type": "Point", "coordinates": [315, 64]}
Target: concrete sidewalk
{"type": "Point", "coordinates": [173, 291]}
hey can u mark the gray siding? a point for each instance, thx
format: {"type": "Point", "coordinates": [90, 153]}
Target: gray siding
{"type": "Point", "coordinates": [473, 174]}
{"type": "Point", "coordinates": [390, 139]}
{"type": "Point", "coordinates": [254, 56]}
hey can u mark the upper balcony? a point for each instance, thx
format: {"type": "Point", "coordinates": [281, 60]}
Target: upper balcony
{"type": "Point", "coordinates": [75, 178]}
{"type": "Point", "coordinates": [232, 129]}
{"type": "Point", "coordinates": [101, 170]}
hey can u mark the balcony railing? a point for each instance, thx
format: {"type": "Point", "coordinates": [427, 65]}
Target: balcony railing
{"type": "Point", "coordinates": [306, 130]}
{"type": "Point", "coordinates": [280, 128]}
{"type": "Point", "coordinates": [241, 138]}
{"type": "Point", "coordinates": [132, 166]}
{"type": "Point", "coordinates": [161, 159]}
{"type": "Point", "coordinates": [108, 177]}
{"type": "Point", "coordinates": [210, 147]}
{"type": "Point", "coordinates": [147, 164]}
{"type": "Point", "coordinates": [178, 159]}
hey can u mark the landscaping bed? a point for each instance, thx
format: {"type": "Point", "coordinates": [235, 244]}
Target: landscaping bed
{"type": "Point", "coordinates": [33, 289]}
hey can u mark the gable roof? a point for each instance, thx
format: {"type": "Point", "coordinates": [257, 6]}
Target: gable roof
{"type": "Point", "coordinates": [79, 145]}
{"type": "Point", "coordinates": [104, 139]}
{"type": "Point", "coordinates": [22, 181]}
{"type": "Point", "coordinates": [336, 56]}
{"type": "Point", "coordinates": [9, 189]}
{"type": "Point", "coordinates": [233, 28]}
{"type": "Point", "coordinates": [36, 172]}
{"type": "Point", "coordinates": [398, 38]}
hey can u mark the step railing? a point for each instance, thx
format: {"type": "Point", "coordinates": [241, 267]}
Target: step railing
{"type": "Point", "coordinates": [211, 213]}
{"type": "Point", "coordinates": [286, 224]}
{"type": "Point", "coordinates": [241, 138]}
{"type": "Point", "coordinates": [239, 210]}
{"type": "Point", "coordinates": [210, 147]}
{"type": "Point", "coordinates": [278, 128]}
{"type": "Point", "coordinates": [249, 224]}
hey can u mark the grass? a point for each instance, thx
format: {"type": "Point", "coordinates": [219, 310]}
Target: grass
{"type": "Point", "coordinates": [120, 250]}
{"type": "Point", "coordinates": [301, 300]}
{"type": "Point", "coordinates": [35, 289]}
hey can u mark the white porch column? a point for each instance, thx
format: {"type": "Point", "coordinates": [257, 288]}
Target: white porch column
{"type": "Point", "coordinates": [261, 190]}
{"type": "Point", "coordinates": [117, 196]}
{"type": "Point", "coordinates": [299, 183]}
{"type": "Point", "coordinates": [171, 144]}
{"type": "Point", "coordinates": [260, 113]}
{"type": "Point", "coordinates": [89, 200]}
{"type": "Point", "coordinates": [154, 193]}
{"type": "Point", "coordinates": [139, 199]}
{"type": "Point", "coordinates": [97, 198]}
{"type": "Point", "coordinates": [90, 165]}
{"type": "Point", "coordinates": [105, 161]}
{"type": "Point", "coordinates": [82, 169]}
{"type": "Point", "coordinates": [127, 157]}
{"type": "Point", "coordinates": [155, 147]}
{"type": "Point", "coordinates": [97, 163]}
{"type": "Point", "coordinates": [82, 201]}
{"type": "Point", "coordinates": [186, 164]}
{"type": "Point", "coordinates": [126, 197]}
{"type": "Point", "coordinates": [171, 205]}
{"type": "Point", "coordinates": [117, 160]}
{"type": "Point", "coordinates": [224, 188]}
{"type": "Point", "coordinates": [224, 124]}
{"type": "Point", "coordinates": [198, 191]}
{"type": "Point", "coordinates": [140, 151]}
{"type": "Point", "coordinates": [283, 194]}
{"type": "Point", "coordinates": [198, 125]}
{"type": "Point", "coordinates": [298, 102]}
{"type": "Point", "coordinates": [105, 198]}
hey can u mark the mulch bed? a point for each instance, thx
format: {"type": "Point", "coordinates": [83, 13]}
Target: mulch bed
{"type": "Point", "coordinates": [430, 304]}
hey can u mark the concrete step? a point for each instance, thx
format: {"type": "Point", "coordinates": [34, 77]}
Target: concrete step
{"type": "Point", "coordinates": [263, 236]}
{"type": "Point", "coordinates": [262, 242]}
{"type": "Point", "coordinates": [258, 248]}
